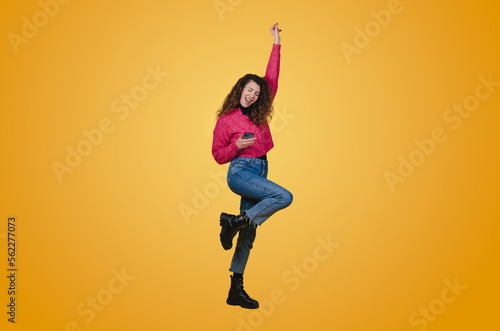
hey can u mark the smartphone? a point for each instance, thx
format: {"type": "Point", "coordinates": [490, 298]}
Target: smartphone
{"type": "Point", "coordinates": [247, 135]}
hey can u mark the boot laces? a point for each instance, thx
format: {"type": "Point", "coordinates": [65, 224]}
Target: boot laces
{"type": "Point", "coordinates": [240, 225]}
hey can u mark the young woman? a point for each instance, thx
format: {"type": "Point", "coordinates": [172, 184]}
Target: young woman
{"type": "Point", "coordinates": [242, 137]}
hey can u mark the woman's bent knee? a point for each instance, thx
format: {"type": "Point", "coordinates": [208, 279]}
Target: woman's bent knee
{"type": "Point", "coordinates": [287, 198]}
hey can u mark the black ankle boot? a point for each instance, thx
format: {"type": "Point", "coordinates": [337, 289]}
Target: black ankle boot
{"type": "Point", "coordinates": [231, 224]}
{"type": "Point", "coordinates": [237, 295]}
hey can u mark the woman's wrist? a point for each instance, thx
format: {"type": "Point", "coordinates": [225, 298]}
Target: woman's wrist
{"type": "Point", "coordinates": [277, 41]}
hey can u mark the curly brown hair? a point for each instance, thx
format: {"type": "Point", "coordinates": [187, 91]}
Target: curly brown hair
{"type": "Point", "coordinates": [260, 112]}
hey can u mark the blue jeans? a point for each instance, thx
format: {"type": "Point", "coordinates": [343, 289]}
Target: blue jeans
{"type": "Point", "coordinates": [260, 198]}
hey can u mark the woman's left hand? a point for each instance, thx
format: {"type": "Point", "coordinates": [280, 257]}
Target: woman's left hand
{"type": "Point", "coordinates": [275, 31]}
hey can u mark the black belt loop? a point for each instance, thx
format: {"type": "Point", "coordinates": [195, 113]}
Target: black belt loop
{"type": "Point", "coordinates": [263, 157]}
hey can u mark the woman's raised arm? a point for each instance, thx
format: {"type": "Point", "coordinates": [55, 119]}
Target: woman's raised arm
{"type": "Point", "coordinates": [273, 66]}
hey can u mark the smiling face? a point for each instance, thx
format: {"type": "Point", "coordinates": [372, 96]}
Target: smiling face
{"type": "Point", "coordinates": [250, 94]}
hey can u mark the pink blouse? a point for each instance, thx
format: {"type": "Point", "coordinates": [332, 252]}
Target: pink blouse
{"type": "Point", "coordinates": [231, 126]}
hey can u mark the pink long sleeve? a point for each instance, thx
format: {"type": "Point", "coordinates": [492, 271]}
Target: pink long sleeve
{"type": "Point", "coordinates": [224, 147]}
{"type": "Point", "coordinates": [231, 126]}
{"type": "Point", "coordinates": [273, 69]}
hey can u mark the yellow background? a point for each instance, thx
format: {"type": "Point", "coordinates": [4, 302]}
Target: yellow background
{"type": "Point", "coordinates": [347, 124]}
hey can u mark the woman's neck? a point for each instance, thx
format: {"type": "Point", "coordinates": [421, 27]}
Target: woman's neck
{"type": "Point", "coordinates": [244, 110]}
